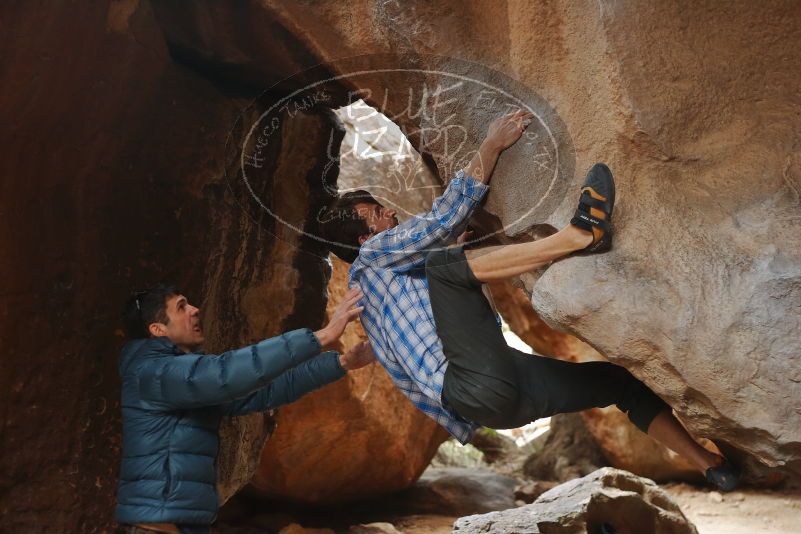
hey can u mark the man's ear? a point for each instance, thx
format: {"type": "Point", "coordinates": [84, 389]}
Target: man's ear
{"type": "Point", "coordinates": [363, 238]}
{"type": "Point", "coordinates": [157, 329]}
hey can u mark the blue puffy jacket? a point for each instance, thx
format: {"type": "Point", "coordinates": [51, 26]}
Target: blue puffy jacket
{"type": "Point", "coordinates": [172, 404]}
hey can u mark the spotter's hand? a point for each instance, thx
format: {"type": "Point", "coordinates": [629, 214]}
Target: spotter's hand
{"type": "Point", "coordinates": [344, 313]}
{"type": "Point", "coordinates": [357, 357]}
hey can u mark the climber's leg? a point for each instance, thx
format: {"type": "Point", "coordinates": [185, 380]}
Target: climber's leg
{"type": "Point", "coordinates": [481, 379]}
{"type": "Point", "coordinates": [588, 230]}
{"type": "Point", "coordinates": [550, 386]}
{"type": "Point", "coordinates": [668, 431]}
{"type": "Point", "coordinates": [488, 382]}
{"type": "Point", "coordinates": [491, 264]}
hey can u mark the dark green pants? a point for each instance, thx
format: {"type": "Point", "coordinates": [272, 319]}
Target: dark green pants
{"type": "Point", "coordinates": [500, 387]}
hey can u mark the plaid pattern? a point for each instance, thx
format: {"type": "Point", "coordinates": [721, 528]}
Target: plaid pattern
{"type": "Point", "coordinates": [397, 313]}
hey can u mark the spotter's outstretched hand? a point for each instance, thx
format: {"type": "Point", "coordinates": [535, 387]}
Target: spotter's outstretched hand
{"type": "Point", "coordinates": [344, 313]}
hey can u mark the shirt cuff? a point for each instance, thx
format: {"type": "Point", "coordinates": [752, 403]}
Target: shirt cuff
{"type": "Point", "coordinates": [469, 186]}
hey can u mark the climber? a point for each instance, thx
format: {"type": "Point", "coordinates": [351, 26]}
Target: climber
{"type": "Point", "coordinates": [434, 331]}
{"type": "Point", "coordinates": [173, 398]}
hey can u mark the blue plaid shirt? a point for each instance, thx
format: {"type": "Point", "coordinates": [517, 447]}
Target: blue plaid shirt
{"type": "Point", "coordinates": [397, 313]}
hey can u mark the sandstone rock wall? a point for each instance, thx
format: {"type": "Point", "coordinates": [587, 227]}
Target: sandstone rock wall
{"type": "Point", "coordinates": [344, 441]}
{"type": "Point", "coordinates": [263, 277]}
{"type": "Point", "coordinates": [695, 107]}
{"type": "Point", "coordinates": [702, 283]}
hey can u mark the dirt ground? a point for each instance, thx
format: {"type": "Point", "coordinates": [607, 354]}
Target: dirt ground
{"type": "Point", "coordinates": [739, 512]}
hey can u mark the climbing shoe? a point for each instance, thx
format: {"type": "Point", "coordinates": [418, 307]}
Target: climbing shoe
{"type": "Point", "coordinates": [725, 477]}
{"type": "Point", "coordinates": [594, 212]}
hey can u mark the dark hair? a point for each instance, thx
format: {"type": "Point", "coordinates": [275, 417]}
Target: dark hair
{"type": "Point", "coordinates": [146, 307]}
{"type": "Point", "coordinates": [342, 226]}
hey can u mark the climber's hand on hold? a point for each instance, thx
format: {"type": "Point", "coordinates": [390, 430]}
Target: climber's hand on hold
{"type": "Point", "coordinates": [504, 131]}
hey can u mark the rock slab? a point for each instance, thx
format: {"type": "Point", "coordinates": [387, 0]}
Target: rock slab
{"type": "Point", "coordinates": [457, 491]}
{"type": "Point", "coordinates": [607, 497]}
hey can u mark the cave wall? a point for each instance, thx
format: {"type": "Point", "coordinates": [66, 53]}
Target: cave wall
{"type": "Point", "coordinates": [121, 169]}
{"type": "Point", "coordinates": [113, 177]}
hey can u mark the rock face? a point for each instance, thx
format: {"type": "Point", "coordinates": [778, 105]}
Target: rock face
{"type": "Point", "coordinates": [698, 297]}
{"type": "Point", "coordinates": [342, 442]}
{"type": "Point", "coordinates": [337, 443]}
{"type": "Point", "coordinates": [696, 111]}
{"type": "Point", "coordinates": [611, 497]}
{"type": "Point", "coordinates": [286, 274]}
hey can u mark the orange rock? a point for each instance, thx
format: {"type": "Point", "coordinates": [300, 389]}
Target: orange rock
{"type": "Point", "coordinates": [357, 437]}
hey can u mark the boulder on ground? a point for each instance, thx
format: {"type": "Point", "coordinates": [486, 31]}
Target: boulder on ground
{"type": "Point", "coordinates": [530, 491]}
{"type": "Point", "coordinates": [622, 502]}
{"type": "Point", "coordinates": [457, 491]}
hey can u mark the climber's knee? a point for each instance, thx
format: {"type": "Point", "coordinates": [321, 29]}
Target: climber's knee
{"type": "Point", "coordinates": [638, 401]}
{"type": "Point", "coordinates": [449, 265]}
{"type": "Point", "coordinates": [491, 402]}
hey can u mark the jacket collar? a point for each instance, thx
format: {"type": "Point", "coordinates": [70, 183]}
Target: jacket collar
{"type": "Point", "coordinates": [163, 344]}
{"type": "Point", "coordinates": [152, 347]}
